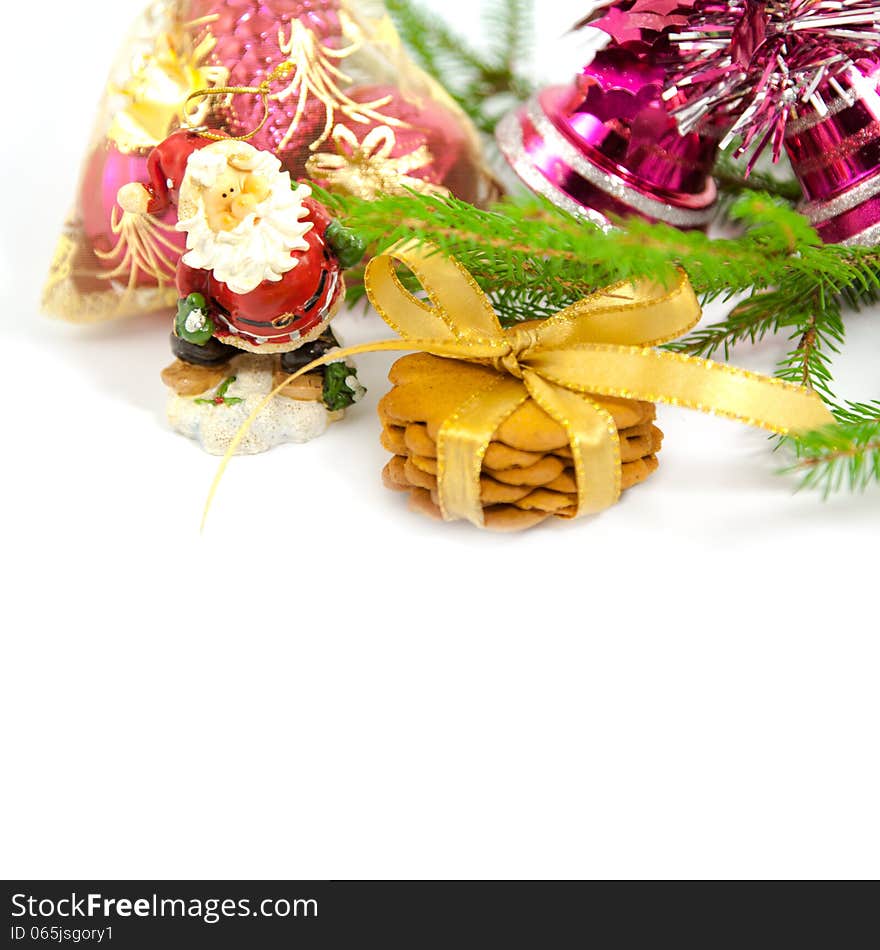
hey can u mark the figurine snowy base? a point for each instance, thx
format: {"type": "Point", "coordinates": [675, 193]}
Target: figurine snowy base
{"type": "Point", "coordinates": [210, 405]}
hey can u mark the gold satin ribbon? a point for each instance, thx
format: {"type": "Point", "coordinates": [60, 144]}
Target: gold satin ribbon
{"type": "Point", "coordinates": [602, 344]}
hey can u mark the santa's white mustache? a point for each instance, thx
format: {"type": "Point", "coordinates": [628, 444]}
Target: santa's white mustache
{"type": "Point", "coordinates": [259, 247]}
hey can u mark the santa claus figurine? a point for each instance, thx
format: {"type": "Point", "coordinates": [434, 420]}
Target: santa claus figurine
{"type": "Point", "coordinates": [262, 272]}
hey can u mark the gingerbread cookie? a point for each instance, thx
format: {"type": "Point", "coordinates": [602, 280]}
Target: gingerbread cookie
{"type": "Point", "coordinates": [527, 473]}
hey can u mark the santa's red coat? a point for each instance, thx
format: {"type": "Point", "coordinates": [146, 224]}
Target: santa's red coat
{"type": "Point", "coordinates": [275, 312]}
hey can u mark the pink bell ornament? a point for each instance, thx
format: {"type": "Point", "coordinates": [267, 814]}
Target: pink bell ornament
{"type": "Point", "coordinates": [836, 157]}
{"type": "Point", "coordinates": [607, 146]}
{"type": "Point", "coordinates": [794, 75]}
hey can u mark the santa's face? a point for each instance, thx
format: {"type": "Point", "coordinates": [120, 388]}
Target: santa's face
{"type": "Point", "coordinates": [244, 221]}
{"type": "Point", "coordinates": [233, 196]}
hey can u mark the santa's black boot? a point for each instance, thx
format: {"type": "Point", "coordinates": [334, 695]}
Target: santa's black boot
{"type": "Point", "coordinates": [212, 353]}
{"type": "Point", "coordinates": [341, 388]}
{"type": "Point", "coordinates": [294, 360]}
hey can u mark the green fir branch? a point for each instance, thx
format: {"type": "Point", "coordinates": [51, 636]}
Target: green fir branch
{"type": "Point", "coordinates": [845, 455]}
{"type": "Point", "coordinates": [819, 336]}
{"type": "Point", "coordinates": [765, 312]}
{"type": "Point", "coordinates": [486, 84]}
{"type": "Point", "coordinates": [534, 254]}
{"type": "Point", "coordinates": [732, 181]}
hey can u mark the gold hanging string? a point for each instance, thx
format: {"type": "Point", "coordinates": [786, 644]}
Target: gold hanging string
{"type": "Point", "coordinates": [263, 90]}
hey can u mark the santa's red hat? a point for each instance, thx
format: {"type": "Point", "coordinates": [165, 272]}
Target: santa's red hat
{"type": "Point", "coordinates": [166, 167]}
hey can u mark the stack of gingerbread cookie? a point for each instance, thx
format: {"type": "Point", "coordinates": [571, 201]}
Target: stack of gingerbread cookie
{"type": "Point", "coordinates": [527, 473]}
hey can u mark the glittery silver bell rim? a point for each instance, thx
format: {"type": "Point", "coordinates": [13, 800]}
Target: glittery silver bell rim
{"type": "Point", "coordinates": [509, 135]}
{"type": "Point", "coordinates": [820, 212]}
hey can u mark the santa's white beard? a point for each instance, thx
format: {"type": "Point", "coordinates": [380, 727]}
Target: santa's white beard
{"type": "Point", "coordinates": [259, 247]}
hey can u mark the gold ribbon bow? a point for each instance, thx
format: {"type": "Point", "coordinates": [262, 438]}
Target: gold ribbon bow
{"type": "Point", "coordinates": [602, 344]}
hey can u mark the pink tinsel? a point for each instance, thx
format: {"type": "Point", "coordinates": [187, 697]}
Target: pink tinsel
{"type": "Point", "coordinates": [752, 65]}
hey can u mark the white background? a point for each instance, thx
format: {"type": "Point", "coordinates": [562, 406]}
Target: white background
{"type": "Point", "coordinates": [326, 685]}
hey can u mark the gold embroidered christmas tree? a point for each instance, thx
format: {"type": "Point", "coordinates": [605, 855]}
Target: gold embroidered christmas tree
{"type": "Point", "coordinates": [315, 75]}
{"type": "Point", "coordinates": [142, 240]}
